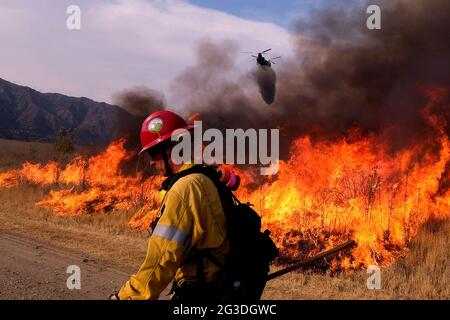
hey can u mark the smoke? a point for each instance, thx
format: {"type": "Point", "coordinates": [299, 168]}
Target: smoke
{"type": "Point", "coordinates": [353, 76]}
{"type": "Point", "coordinates": [140, 102]}
{"type": "Point", "coordinates": [266, 79]}
{"type": "Point", "coordinates": [343, 75]}
{"type": "Point", "coordinates": [218, 91]}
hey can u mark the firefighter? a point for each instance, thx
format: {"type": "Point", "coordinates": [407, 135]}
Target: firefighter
{"type": "Point", "coordinates": [190, 220]}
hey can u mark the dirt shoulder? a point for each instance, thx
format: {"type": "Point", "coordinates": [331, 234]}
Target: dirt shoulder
{"type": "Point", "coordinates": [36, 248]}
{"type": "Point", "coordinates": [32, 270]}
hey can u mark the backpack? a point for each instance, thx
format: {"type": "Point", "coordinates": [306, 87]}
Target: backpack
{"type": "Point", "coordinates": [243, 275]}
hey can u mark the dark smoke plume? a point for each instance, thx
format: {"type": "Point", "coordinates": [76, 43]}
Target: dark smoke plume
{"type": "Point", "coordinates": [343, 76]}
{"type": "Point", "coordinates": [215, 88]}
{"type": "Point", "coordinates": [140, 102]}
{"type": "Point", "coordinates": [266, 79]}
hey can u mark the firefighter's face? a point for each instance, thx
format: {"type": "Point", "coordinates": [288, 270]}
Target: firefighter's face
{"type": "Point", "coordinates": [157, 162]}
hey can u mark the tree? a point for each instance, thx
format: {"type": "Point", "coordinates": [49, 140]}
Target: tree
{"type": "Point", "coordinates": [63, 147]}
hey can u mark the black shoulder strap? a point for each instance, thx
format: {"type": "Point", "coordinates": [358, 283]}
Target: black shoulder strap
{"type": "Point", "coordinates": [226, 195]}
{"type": "Point", "coordinates": [170, 181]}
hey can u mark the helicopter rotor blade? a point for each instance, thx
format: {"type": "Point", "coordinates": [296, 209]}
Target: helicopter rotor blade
{"type": "Point", "coordinates": [266, 50]}
{"type": "Point", "coordinates": [254, 56]}
{"type": "Point", "coordinates": [275, 58]}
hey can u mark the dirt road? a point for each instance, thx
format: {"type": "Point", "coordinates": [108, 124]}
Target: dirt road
{"type": "Point", "coordinates": [32, 270]}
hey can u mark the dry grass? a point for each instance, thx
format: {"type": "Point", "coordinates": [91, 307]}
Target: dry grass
{"type": "Point", "coordinates": [13, 153]}
{"type": "Point", "coordinates": [422, 274]}
{"type": "Point", "coordinates": [104, 237]}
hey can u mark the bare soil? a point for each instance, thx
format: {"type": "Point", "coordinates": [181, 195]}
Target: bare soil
{"type": "Point", "coordinates": [32, 270]}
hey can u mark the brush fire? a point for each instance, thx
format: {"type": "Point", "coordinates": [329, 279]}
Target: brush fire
{"type": "Point", "coordinates": [325, 192]}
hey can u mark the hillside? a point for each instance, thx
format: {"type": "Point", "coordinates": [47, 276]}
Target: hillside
{"type": "Point", "coordinates": [29, 115]}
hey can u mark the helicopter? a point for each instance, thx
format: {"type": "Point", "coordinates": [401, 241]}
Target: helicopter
{"type": "Point", "coordinates": [261, 60]}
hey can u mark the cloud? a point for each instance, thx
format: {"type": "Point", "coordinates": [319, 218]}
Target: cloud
{"type": "Point", "coordinates": [121, 44]}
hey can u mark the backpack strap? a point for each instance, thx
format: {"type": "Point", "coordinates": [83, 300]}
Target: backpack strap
{"type": "Point", "coordinates": [227, 198]}
{"type": "Point", "coordinates": [172, 179]}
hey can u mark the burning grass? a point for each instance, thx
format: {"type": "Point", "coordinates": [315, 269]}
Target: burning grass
{"type": "Point", "coordinates": [422, 274]}
{"type": "Point", "coordinates": [87, 186]}
{"type": "Point", "coordinates": [324, 194]}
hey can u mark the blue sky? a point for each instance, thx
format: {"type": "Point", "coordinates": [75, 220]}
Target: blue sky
{"type": "Point", "coordinates": [281, 12]}
{"type": "Point", "coordinates": [128, 43]}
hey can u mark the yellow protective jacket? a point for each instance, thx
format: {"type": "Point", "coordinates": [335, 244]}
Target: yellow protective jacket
{"type": "Point", "coordinates": [191, 216]}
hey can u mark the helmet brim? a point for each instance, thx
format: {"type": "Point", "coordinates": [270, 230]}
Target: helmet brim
{"type": "Point", "coordinates": [162, 139]}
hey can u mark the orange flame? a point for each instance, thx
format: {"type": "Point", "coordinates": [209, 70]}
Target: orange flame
{"type": "Point", "coordinates": [355, 188]}
{"type": "Point", "coordinates": [325, 193]}
{"type": "Point", "coordinates": [88, 186]}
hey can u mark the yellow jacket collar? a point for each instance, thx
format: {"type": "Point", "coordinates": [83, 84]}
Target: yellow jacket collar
{"type": "Point", "coordinates": [186, 166]}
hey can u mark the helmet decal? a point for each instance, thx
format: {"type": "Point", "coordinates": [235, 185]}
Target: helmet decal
{"type": "Point", "coordinates": [155, 125]}
{"type": "Point", "coordinates": [159, 127]}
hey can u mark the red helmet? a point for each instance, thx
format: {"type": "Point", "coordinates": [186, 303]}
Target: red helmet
{"type": "Point", "coordinates": [158, 127]}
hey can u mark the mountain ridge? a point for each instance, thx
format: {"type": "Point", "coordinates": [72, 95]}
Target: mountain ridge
{"type": "Point", "coordinates": [29, 115]}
